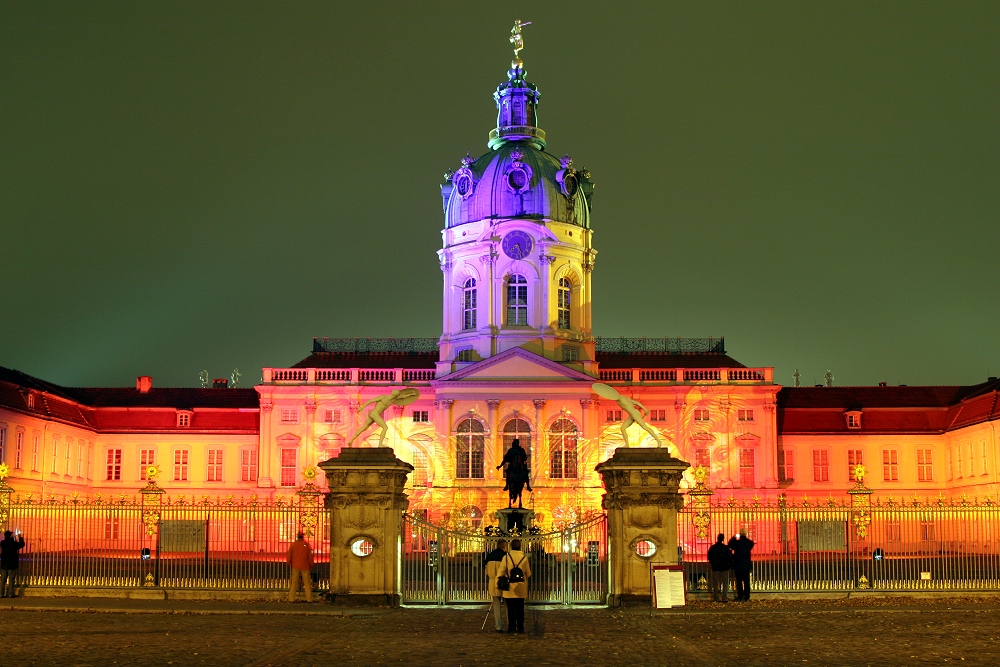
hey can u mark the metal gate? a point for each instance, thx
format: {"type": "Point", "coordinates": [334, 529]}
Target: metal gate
{"type": "Point", "coordinates": [440, 566]}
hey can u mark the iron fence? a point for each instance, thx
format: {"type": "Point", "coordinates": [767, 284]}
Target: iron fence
{"type": "Point", "coordinates": [836, 546]}
{"type": "Point", "coordinates": [224, 544]}
{"type": "Point", "coordinates": [440, 566]}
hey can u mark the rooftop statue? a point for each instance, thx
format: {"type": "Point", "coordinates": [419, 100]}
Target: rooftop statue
{"type": "Point", "coordinates": [517, 39]}
{"type": "Point", "coordinates": [634, 410]}
{"type": "Point", "coordinates": [381, 404]}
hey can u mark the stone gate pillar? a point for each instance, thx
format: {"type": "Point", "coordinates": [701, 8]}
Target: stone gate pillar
{"type": "Point", "coordinates": [642, 499]}
{"type": "Point", "coordinates": [366, 503]}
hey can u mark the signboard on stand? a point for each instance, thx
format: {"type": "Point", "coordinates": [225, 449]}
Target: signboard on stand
{"type": "Point", "coordinates": [667, 583]}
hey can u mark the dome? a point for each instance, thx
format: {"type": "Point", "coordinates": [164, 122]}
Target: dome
{"type": "Point", "coordinates": [517, 180]}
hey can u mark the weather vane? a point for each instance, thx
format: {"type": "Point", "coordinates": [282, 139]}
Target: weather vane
{"type": "Point", "coordinates": [517, 40]}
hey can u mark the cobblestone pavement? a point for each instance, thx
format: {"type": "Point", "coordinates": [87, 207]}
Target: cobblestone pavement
{"type": "Point", "coordinates": [853, 632]}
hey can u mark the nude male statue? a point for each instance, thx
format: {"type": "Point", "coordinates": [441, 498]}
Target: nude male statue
{"type": "Point", "coordinates": [379, 405]}
{"type": "Point", "coordinates": [634, 409]}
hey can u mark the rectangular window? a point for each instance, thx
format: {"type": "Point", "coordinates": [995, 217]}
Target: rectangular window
{"type": "Point", "coordinates": [288, 463]}
{"type": "Point", "coordinates": [855, 457]}
{"type": "Point", "coordinates": [958, 461]}
{"type": "Point", "coordinates": [36, 450]}
{"type": "Point", "coordinates": [853, 421]}
{"type": "Point", "coordinates": [18, 449]}
{"type": "Point", "coordinates": [419, 469]}
{"type": "Point", "coordinates": [786, 465]}
{"type": "Point", "coordinates": [147, 457]}
{"type": "Point", "coordinates": [248, 465]}
{"type": "Point", "coordinates": [114, 471]}
{"type": "Point", "coordinates": [215, 465]}
{"type": "Point", "coordinates": [893, 531]}
{"type": "Point", "coordinates": [614, 416]}
{"type": "Point", "coordinates": [657, 415]}
{"type": "Point", "coordinates": [180, 465]}
{"type": "Point", "coordinates": [821, 465]}
{"type": "Point", "coordinates": [972, 460]}
{"type": "Point", "coordinates": [925, 466]}
{"type": "Point", "coordinates": [927, 530]}
{"type": "Point", "coordinates": [571, 353]}
{"type": "Point", "coordinates": [703, 459]}
{"type": "Point", "coordinates": [702, 416]}
{"type": "Point", "coordinates": [289, 416]}
{"type": "Point", "coordinates": [747, 476]}
{"type": "Point", "coordinates": [90, 460]}
{"type": "Point", "coordinates": [469, 305]}
{"type": "Point", "coordinates": [421, 416]}
{"type": "Point", "coordinates": [111, 528]}
{"type": "Point", "coordinates": [332, 416]}
{"type": "Point", "coordinates": [183, 420]}
{"type": "Point", "coordinates": [55, 455]}
{"type": "Point", "coordinates": [890, 465]}
{"type": "Point", "coordinates": [517, 301]}
{"type": "Point", "coordinates": [744, 415]}
{"type": "Point", "coordinates": [951, 470]}
{"type": "Point", "coordinates": [67, 454]}
{"type": "Point", "coordinates": [3, 444]}
{"type": "Point", "coordinates": [983, 466]}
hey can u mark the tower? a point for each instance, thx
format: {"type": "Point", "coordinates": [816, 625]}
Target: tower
{"type": "Point", "coordinates": [517, 251]}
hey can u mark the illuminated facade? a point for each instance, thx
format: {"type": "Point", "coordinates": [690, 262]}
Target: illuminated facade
{"type": "Point", "coordinates": [516, 358]}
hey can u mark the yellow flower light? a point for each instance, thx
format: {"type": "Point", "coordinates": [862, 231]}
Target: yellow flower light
{"type": "Point", "coordinates": [309, 473]}
{"type": "Point", "coordinates": [4, 471]}
{"type": "Point", "coordinates": [152, 472]}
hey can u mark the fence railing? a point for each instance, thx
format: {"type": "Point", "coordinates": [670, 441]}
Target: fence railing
{"type": "Point", "coordinates": [221, 544]}
{"type": "Point", "coordinates": [834, 546]}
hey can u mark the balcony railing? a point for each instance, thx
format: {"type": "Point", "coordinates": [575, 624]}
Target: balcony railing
{"type": "Point", "coordinates": [688, 375]}
{"type": "Point", "coordinates": [348, 375]}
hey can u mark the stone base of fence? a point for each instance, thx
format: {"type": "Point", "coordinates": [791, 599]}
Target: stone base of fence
{"type": "Point", "coordinates": [142, 593]}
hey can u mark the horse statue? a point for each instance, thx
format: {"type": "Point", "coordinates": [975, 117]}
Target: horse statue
{"type": "Point", "coordinates": [516, 474]}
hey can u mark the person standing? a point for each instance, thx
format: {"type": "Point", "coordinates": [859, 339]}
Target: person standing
{"type": "Point", "coordinates": [720, 557]}
{"type": "Point", "coordinates": [300, 559]}
{"type": "Point", "coordinates": [741, 546]}
{"type": "Point", "coordinates": [516, 568]}
{"type": "Point", "coordinates": [9, 562]}
{"type": "Point", "coordinates": [493, 561]}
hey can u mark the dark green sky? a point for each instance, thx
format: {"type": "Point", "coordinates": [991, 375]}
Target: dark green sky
{"type": "Point", "coordinates": [209, 185]}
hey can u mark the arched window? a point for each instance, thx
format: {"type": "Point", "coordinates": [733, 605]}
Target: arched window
{"type": "Point", "coordinates": [562, 444]}
{"type": "Point", "coordinates": [565, 290]}
{"type": "Point", "coordinates": [520, 429]}
{"type": "Point", "coordinates": [469, 446]}
{"type": "Point", "coordinates": [470, 517]}
{"type": "Point", "coordinates": [469, 304]}
{"type": "Point", "coordinates": [517, 300]}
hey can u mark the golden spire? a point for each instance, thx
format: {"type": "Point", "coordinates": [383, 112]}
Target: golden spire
{"type": "Point", "coordinates": [518, 41]}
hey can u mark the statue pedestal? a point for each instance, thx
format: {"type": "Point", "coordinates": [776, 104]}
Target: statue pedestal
{"type": "Point", "coordinates": [513, 520]}
{"type": "Point", "coordinates": [366, 503]}
{"type": "Point", "coordinates": [642, 499]}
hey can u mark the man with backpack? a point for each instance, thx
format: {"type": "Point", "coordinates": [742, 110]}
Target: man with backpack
{"type": "Point", "coordinates": [513, 573]}
{"type": "Point", "coordinates": [720, 558]}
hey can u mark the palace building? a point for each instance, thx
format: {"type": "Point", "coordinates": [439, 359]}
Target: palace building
{"type": "Point", "coordinates": [517, 358]}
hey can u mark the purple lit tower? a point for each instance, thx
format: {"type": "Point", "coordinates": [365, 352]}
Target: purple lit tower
{"type": "Point", "coordinates": [517, 254]}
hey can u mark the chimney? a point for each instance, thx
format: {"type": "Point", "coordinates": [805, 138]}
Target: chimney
{"type": "Point", "coordinates": [144, 383]}
{"type": "Point", "coordinates": [219, 383]}
{"type": "Point", "coordinates": [883, 384]}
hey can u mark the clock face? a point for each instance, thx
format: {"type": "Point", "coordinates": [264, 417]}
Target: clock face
{"type": "Point", "coordinates": [517, 244]}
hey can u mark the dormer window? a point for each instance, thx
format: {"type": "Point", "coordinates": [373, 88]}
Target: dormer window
{"type": "Point", "coordinates": [853, 419]}
{"type": "Point", "coordinates": [31, 401]}
{"type": "Point", "coordinates": [183, 420]}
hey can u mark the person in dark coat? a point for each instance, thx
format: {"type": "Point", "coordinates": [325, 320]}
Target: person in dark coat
{"type": "Point", "coordinates": [720, 557]}
{"type": "Point", "coordinates": [9, 562]}
{"type": "Point", "coordinates": [741, 546]}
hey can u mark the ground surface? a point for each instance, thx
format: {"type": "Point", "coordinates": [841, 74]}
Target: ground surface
{"type": "Point", "coordinates": [892, 632]}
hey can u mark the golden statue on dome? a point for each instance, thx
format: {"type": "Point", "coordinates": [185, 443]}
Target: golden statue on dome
{"type": "Point", "coordinates": [518, 41]}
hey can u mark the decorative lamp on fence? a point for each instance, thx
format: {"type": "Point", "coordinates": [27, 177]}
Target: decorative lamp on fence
{"type": "Point", "coordinates": [5, 491]}
{"type": "Point", "coordinates": [309, 496]}
{"type": "Point", "coordinates": [701, 497]}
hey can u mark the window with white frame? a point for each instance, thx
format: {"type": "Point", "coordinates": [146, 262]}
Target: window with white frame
{"type": "Point", "coordinates": [464, 355]}
{"type": "Point", "coordinates": [562, 445]}
{"type": "Point", "coordinates": [893, 530]}
{"type": "Point", "coordinates": [927, 530]}
{"type": "Point", "coordinates": [112, 528]}
{"type": "Point", "coordinates": [36, 450]}
{"type": "Point", "coordinates": [114, 465]}
{"type": "Point", "coordinates": [958, 461]}
{"type": "Point", "coordinates": [289, 463]}
{"type": "Point", "coordinates": [147, 457]}
{"type": "Point", "coordinates": [855, 457]}
{"type": "Point", "coordinates": [657, 415]}
{"type": "Point", "coordinates": [469, 304]}
{"type": "Point", "coordinates": [421, 416]}
{"type": "Point", "coordinates": [332, 416]}
{"type": "Point", "coordinates": [702, 415]}
{"type": "Point", "coordinates": [90, 460]}
{"type": "Point", "coordinates": [3, 443]}
{"type": "Point", "coordinates": [181, 461]}
{"type": "Point", "coordinates": [183, 419]}
{"type": "Point", "coordinates": [18, 449]}
{"type": "Point", "coordinates": [972, 460]}
{"type": "Point", "coordinates": [517, 300]}
{"type": "Point", "coordinates": [55, 455]}
{"type": "Point", "coordinates": [563, 305]}
{"type": "Point", "coordinates": [744, 415]}
{"type": "Point", "coordinates": [614, 416]}
{"type": "Point", "coordinates": [853, 419]}
{"type": "Point", "coordinates": [420, 468]}
{"type": "Point", "coordinates": [890, 465]}
{"type": "Point", "coordinates": [288, 415]}
{"type": "Point", "coordinates": [248, 465]}
{"type": "Point", "coordinates": [747, 468]}
{"type": "Point", "coordinates": [68, 455]}
{"type": "Point", "coordinates": [983, 459]}
{"type": "Point", "coordinates": [215, 465]}
{"type": "Point", "coordinates": [786, 465]}
{"type": "Point", "coordinates": [925, 466]}
{"type": "Point", "coordinates": [470, 446]}
{"type": "Point", "coordinates": [570, 353]}
{"type": "Point", "coordinates": [821, 465]}
{"type": "Point", "coordinates": [951, 469]}
{"type": "Point", "coordinates": [518, 428]}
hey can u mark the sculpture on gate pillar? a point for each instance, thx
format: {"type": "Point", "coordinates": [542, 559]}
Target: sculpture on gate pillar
{"type": "Point", "coordinates": [399, 397]}
{"type": "Point", "coordinates": [632, 408]}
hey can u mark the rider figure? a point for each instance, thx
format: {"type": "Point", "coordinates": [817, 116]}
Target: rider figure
{"type": "Point", "coordinates": [515, 465]}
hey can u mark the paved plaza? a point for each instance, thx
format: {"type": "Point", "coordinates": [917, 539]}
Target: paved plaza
{"type": "Point", "coordinates": [895, 631]}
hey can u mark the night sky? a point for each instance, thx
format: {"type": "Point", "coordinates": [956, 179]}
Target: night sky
{"type": "Point", "coordinates": [188, 186]}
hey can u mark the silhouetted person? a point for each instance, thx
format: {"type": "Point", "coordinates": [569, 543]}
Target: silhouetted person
{"type": "Point", "coordinates": [9, 562]}
{"type": "Point", "coordinates": [517, 569]}
{"type": "Point", "coordinates": [493, 561]}
{"type": "Point", "coordinates": [720, 557]}
{"type": "Point", "coordinates": [741, 546]}
{"type": "Point", "coordinates": [300, 559]}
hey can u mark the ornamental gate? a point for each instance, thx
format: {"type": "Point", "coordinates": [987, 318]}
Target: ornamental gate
{"type": "Point", "coordinates": [441, 566]}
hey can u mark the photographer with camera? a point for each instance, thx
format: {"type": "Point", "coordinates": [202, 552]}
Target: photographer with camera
{"type": "Point", "coordinates": [9, 562]}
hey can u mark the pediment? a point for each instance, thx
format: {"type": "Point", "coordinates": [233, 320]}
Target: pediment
{"type": "Point", "coordinates": [517, 365]}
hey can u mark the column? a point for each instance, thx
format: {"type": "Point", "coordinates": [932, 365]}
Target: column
{"type": "Point", "coordinates": [265, 449]}
{"type": "Point", "coordinates": [366, 503]}
{"type": "Point", "coordinates": [306, 454]}
{"type": "Point", "coordinates": [770, 447]}
{"type": "Point", "coordinates": [642, 500]}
